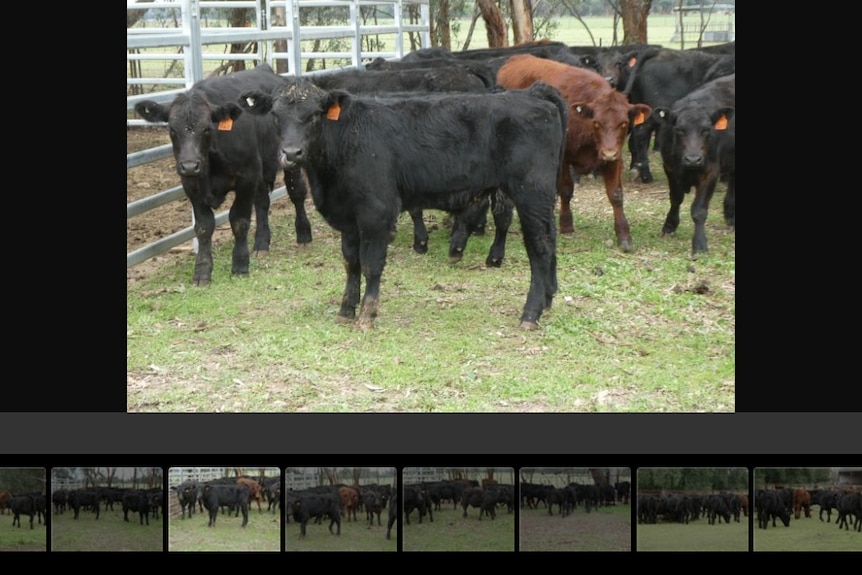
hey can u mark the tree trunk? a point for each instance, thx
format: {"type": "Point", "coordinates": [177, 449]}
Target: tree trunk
{"type": "Point", "coordinates": [238, 19]}
{"type": "Point", "coordinates": [634, 15]}
{"type": "Point", "coordinates": [442, 32]}
{"type": "Point", "coordinates": [522, 20]}
{"type": "Point", "coordinates": [600, 476]}
{"type": "Point", "coordinates": [494, 24]}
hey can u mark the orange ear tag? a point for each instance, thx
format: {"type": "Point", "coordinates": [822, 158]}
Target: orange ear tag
{"type": "Point", "coordinates": [640, 118]}
{"type": "Point", "coordinates": [632, 61]}
{"type": "Point", "coordinates": [721, 123]}
{"type": "Point", "coordinates": [225, 125]}
{"type": "Point", "coordinates": [333, 112]}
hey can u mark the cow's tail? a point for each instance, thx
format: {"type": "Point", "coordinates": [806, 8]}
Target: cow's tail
{"type": "Point", "coordinates": [551, 94]}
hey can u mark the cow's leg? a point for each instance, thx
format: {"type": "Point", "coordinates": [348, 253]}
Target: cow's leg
{"type": "Point", "coordinates": [471, 220]}
{"type": "Point", "coordinates": [262, 234]}
{"type": "Point", "coordinates": [565, 190]}
{"type": "Point", "coordinates": [502, 210]}
{"type": "Point", "coordinates": [240, 223]}
{"type": "Point", "coordinates": [612, 176]}
{"type": "Point", "coordinates": [372, 257]}
{"type": "Point", "coordinates": [297, 191]}
{"type": "Point", "coordinates": [204, 226]}
{"type": "Point", "coordinates": [540, 242]}
{"type": "Point", "coordinates": [700, 211]}
{"type": "Point", "coordinates": [639, 141]}
{"type": "Point", "coordinates": [420, 232]}
{"type": "Point", "coordinates": [350, 252]}
{"type": "Point", "coordinates": [677, 193]}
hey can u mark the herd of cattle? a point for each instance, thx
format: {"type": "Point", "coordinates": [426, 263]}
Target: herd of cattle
{"type": "Point", "coordinates": [510, 128]}
{"type": "Point", "coordinates": [568, 498]}
{"type": "Point", "coordinates": [231, 495]}
{"type": "Point", "coordinates": [144, 502]}
{"type": "Point", "coordinates": [687, 507]}
{"type": "Point", "coordinates": [336, 501]}
{"type": "Point", "coordinates": [779, 504]}
{"type": "Point", "coordinates": [427, 497]}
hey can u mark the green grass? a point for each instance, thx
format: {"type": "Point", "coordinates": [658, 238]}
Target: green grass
{"type": "Point", "coordinates": [14, 538]}
{"type": "Point", "coordinates": [646, 331]}
{"type": "Point", "coordinates": [262, 533]}
{"type": "Point", "coordinates": [807, 534]}
{"type": "Point", "coordinates": [355, 535]}
{"type": "Point", "coordinates": [450, 531]}
{"type": "Point", "coordinates": [698, 535]}
{"type": "Point", "coordinates": [108, 533]}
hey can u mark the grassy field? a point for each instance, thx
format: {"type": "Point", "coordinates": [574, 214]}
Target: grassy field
{"type": "Point", "coordinates": [646, 331]}
{"type": "Point", "coordinates": [108, 533]}
{"type": "Point", "coordinates": [262, 533]}
{"type": "Point", "coordinates": [355, 535]}
{"type": "Point", "coordinates": [603, 529]}
{"type": "Point", "coordinates": [807, 534]}
{"type": "Point", "coordinates": [14, 538]}
{"type": "Point", "coordinates": [450, 531]}
{"type": "Point", "coordinates": [698, 535]}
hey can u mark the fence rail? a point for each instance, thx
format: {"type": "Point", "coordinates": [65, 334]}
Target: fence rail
{"type": "Point", "coordinates": [274, 23]}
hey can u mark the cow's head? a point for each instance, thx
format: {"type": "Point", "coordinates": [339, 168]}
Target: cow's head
{"type": "Point", "coordinates": [610, 118]}
{"type": "Point", "coordinates": [300, 108]}
{"type": "Point", "coordinates": [192, 124]}
{"type": "Point", "coordinates": [694, 131]}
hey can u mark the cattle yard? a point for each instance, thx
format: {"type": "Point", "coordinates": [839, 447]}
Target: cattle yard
{"type": "Point", "coordinates": [637, 322]}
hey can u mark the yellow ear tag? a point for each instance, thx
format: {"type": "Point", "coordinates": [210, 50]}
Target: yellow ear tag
{"type": "Point", "coordinates": [333, 112]}
{"type": "Point", "coordinates": [225, 125]}
{"type": "Point", "coordinates": [721, 123]}
{"type": "Point", "coordinates": [640, 118]}
{"type": "Point", "coordinates": [632, 61]}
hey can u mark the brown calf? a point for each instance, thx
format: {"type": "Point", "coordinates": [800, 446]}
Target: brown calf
{"type": "Point", "coordinates": [600, 119]}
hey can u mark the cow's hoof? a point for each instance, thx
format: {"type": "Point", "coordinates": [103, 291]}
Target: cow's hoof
{"type": "Point", "coordinates": [626, 246]}
{"type": "Point", "coordinates": [420, 247]}
{"type": "Point", "coordinates": [529, 325]}
{"type": "Point", "coordinates": [201, 282]}
{"type": "Point", "coordinates": [343, 319]}
{"type": "Point", "coordinates": [494, 262]}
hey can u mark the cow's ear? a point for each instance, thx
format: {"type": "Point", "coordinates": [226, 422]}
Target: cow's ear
{"type": "Point", "coordinates": [639, 114]}
{"type": "Point", "coordinates": [662, 113]}
{"type": "Point", "coordinates": [152, 111]}
{"type": "Point", "coordinates": [582, 110]}
{"type": "Point", "coordinates": [720, 117]}
{"type": "Point", "coordinates": [256, 102]}
{"type": "Point", "coordinates": [334, 104]}
{"type": "Point", "coordinates": [225, 114]}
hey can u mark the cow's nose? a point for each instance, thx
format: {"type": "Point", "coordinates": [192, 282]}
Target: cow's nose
{"type": "Point", "coordinates": [189, 168]}
{"type": "Point", "coordinates": [693, 160]}
{"type": "Point", "coordinates": [293, 154]}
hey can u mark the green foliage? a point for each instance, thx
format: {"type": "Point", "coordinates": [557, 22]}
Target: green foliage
{"type": "Point", "coordinates": [791, 477]}
{"type": "Point", "coordinates": [693, 478]}
{"type": "Point", "coordinates": [23, 479]}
